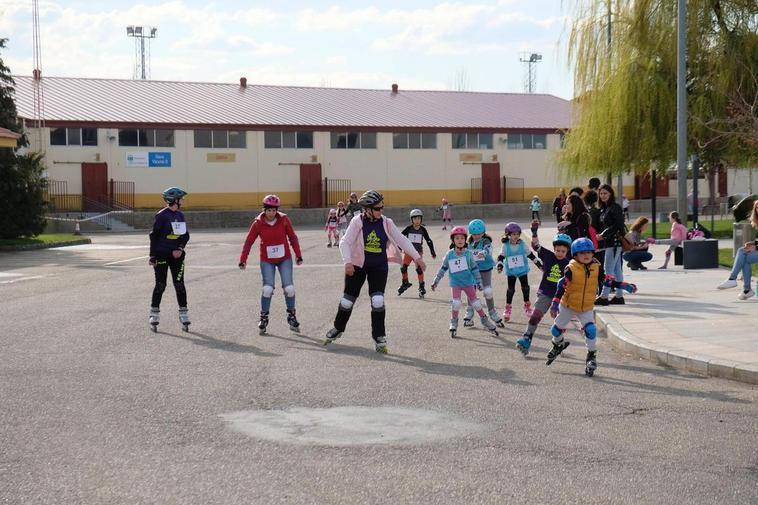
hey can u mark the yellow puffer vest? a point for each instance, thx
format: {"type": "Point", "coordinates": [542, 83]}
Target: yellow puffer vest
{"type": "Point", "coordinates": [581, 291]}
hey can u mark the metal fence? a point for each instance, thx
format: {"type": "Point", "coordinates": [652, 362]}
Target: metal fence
{"type": "Point", "coordinates": [513, 190]}
{"type": "Point", "coordinates": [121, 195]}
{"type": "Point", "coordinates": [59, 199]}
{"type": "Point", "coordinates": [336, 190]}
{"type": "Point", "coordinates": [476, 190]}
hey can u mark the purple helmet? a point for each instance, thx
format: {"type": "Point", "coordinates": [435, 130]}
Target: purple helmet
{"type": "Point", "coordinates": [512, 228]}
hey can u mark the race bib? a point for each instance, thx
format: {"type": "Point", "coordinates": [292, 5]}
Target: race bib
{"type": "Point", "coordinates": [458, 265]}
{"type": "Point", "coordinates": [275, 251]}
{"type": "Point", "coordinates": [416, 238]}
{"type": "Point", "coordinates": [179, 228]}
{"type": "Point", "coordinates": [478, 255]}
{"type": "Point", "coordinates": [515, 262]}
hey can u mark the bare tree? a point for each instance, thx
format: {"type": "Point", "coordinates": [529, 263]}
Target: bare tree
{"type": "Point", "coordinates": [459, 81]}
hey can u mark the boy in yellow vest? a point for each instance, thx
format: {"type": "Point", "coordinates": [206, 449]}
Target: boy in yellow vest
{"type": "Point", "coordinates": [575, 297]}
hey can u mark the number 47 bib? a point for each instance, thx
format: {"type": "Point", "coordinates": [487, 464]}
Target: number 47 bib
{"type": "Point", "coordinates": [458, 265]}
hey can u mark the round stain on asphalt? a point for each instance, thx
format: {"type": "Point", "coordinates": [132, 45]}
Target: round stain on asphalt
{"type": "Point", "coordinates": [344, 426]}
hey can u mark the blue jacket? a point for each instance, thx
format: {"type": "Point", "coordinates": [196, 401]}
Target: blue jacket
{"type": "Point", "coordinates": [483, 248]}
{"type": "Point", "coordinates": [515, 260]}
{"type": "Point", "coordinates": [463, 270]}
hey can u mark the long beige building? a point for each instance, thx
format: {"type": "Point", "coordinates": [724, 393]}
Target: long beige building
{"type": "Point", "coordinates": [229, 144]}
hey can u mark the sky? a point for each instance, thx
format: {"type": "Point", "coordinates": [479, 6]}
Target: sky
{"type": "Point", "coordinates": [418, 44]}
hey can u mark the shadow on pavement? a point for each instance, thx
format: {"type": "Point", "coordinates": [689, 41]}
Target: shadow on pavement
{"type": "Point", "coordinates": [222, 345]}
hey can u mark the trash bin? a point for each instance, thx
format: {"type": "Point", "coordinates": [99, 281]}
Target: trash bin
{"type": "Point", "coordinates": [742, 232]}
{"type": "Point", "coordinates": [701, 253]}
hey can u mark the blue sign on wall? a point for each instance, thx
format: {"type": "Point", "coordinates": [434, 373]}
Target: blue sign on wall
{"type": "Point", "coordinates": [158, 160]}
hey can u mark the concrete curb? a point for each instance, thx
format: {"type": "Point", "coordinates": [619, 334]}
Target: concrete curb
{"type": "Point", "coordinates": [624, 341]}
{"type": "Point", "coordinates": [48, 245]}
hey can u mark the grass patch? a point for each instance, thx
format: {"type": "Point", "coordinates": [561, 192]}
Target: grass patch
{"type": "Point", "coordinates": [727, 260]}
{"type": "Point", "coordinates": [44, 239]}
{"type": "Point", "coordinates": [722, 228]}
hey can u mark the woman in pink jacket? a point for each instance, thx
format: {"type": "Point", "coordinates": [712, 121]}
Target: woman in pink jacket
{"type": "Point", "coordinates": [371, 240]}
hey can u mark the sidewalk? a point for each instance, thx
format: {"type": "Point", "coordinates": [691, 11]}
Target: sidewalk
{"type": "Point", "coordinates": [679, 318]}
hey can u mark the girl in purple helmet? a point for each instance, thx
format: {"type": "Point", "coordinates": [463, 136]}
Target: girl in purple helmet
{"type": "Point", "coordinates": [464, 278]}
{"type": "Point", "coordinates": [514, 258]}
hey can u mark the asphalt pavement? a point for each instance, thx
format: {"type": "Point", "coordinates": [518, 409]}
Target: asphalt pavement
{"type": "Point", "coordinates": [98, 409]}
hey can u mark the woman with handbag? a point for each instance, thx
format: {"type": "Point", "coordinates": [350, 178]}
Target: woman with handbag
{"type": "Point", "coordinates": [612, 222]}
{"type": "Point", "coordinates": [638, 253]}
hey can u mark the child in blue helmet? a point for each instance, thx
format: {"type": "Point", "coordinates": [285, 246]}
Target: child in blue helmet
{"type": "Point", "coordinates": [513, 258]}
{"type": "Point", "coordinates": [480, 245]}
{"type": "Point", "coordinates": [167, 242]}
{"type": "Point", "coordinates": [575, 297]}
{"type": "Point", "coordinates": [553, 264]}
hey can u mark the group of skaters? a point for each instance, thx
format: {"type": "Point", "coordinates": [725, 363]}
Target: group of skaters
{"type": "Point", "coordinates": [572, 275]}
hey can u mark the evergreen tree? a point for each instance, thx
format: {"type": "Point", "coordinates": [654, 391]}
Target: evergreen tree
{"type": "Point", "coordinates": [22, 185]}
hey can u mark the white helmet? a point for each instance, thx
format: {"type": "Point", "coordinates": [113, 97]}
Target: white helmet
{"type": "Point", "coordinates": [416, 213]}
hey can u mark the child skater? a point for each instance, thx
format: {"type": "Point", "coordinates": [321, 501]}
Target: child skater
{"type": "Point", "coordinates": [447, 214]}
{"type": "Point", "coordinates": [464, 278]}
{"type": "Point", "coordinates": [678, 235]}
{"type": "Point", "coordinates": [575, 297]}
{"type": "Point", "coordinates": [416, 233]}
{"type": "Point", "coordinates": [535, 206]}
{"type": "Point", "coordinates": [554, 263]}
{"type": "Point", "coordinates": [331, 228]}
{"type": "Point", "coordinates": [353, 207]}
{"type": "Point", "coordinates": [514, 257]}
{"type": "Point", "coordinates": [480, 245]}
{"type": "Point", "coordinates": [341, 217]}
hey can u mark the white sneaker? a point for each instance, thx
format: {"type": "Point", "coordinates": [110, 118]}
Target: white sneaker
{"type": "Point", "coordinates": [745, 296]}
{"type": "Point", "coordinates": [729, 283]}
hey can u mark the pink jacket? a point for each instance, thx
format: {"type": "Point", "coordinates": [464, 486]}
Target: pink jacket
{"type": "Point", "coordinates": [351, 245]}
{"type": "Point", "coordinates": [678, 231]}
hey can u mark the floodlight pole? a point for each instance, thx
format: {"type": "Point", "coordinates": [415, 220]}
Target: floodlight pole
{"type": "Point", "coordinates": [681, 110]}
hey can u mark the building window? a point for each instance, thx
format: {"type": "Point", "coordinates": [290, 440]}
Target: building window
{"type": "Point", "coordinates": [287, 140]}
{"type": "Point", "coordinates": [220, 139]}
{"type": "Point", "coordinates": [73, 136]}
{"type": "Point", "coordinates": [414, 140]}
{"type": "Point", "coordinates": [527, 141]}
{"type": "Point", "coordinates": [472, 141]}
{"type": "Point", "coordinates": [145, 137]}
{"type": "Point", "coordinates": [353, 140]}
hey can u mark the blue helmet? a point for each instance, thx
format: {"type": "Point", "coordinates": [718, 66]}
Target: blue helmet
{"type": "Point", "coordinates": [562, 239]}
{"type": "Point", "coordinates": [582, 245]}
{"type": "Point", "coordinates": [476, 227]}
{"type": "Point", "coordinates": [173, 194]}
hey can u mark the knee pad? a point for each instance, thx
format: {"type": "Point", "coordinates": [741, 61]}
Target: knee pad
{"type": "Point", "coordinates": [377, 302]}
{"type": "Point", "coordinates": [160, 287]}
{"type": "Point", "coordinates": [346, 303]}
{"type": "Point", "coordinates": [267, 291]}
{"type": "Point", "coordinates": [668, 252]}
{"type": "Point", "coordinates": [590, 331]}
{"type": "Point", "coordinates": [289, 291]}
{"type": "Point", "coordinates": [419, 271]}
{"type": "Point", "coordinates": [404, 269]}
{"type": "Point", "coordinates": [488, 294]}
{"type": "Point", "coordinates": [536, 317]}
{"type": "Point", "coordinates": [456, 304]}
{"type": "Point", "coordinates": [476, 305]}
{"type": "Point", "coordinates": [556, 332]}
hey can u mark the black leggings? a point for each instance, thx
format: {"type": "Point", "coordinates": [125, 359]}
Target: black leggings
{"type": "Point", "coordinates": [524, 280]}
{"type": "Point", "coordinates": [177, 275]}
{"type": "Point", "coordinates": [377, 281]}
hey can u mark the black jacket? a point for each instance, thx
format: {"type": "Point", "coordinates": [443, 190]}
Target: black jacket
{"type": "Point", "coordinates": [612, 224]}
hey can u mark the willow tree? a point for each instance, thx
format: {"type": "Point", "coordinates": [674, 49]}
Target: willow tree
{"type": "Point", "coordinates": [625, 85]}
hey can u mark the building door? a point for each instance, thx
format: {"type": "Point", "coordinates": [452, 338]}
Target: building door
{"type": "Point", "coordinates": [310, 186]}
{"type": "Point", "coordinates": [643, 189]}
{"type": "Point", "coordinates": [94, 186]}
{"type": "Point", "coordinates": [490, 182]}
{"type": "Point", "coordinates": [722, 186]}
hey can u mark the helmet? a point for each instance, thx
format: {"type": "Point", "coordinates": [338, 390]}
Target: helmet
{"type": "Point", "coordinates": [332, 211]}
{"type": "Point", "coordinates": [476, 227]}
{"type": "Point", "coordinates": [340, 204]}
{"type": "Point", "coordinates": [271, 201]}
{"type": "Point", "coordinates": [444, 201]}
{"type": "Point", "coordinates": [582, 245]}
{"type": "Point", "coordinates": [535, 197]}
{"type": "Point", "coordinates": [562, 239]}
{"type": "Point", "coordinates": [353, 195]}
{"type": "Point", "coordinates": [416, 213]}
{"type": "Point", "coordinates": [370, 198]}
{"type": "Point", "coordinates": [458, 230]}
{"type": "Point", "coordinates": [512, 228]}
{"type": "Point", "coordinates": [173, 194]}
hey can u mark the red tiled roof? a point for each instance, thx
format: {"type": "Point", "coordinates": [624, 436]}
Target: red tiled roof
{"type": "Point", "coordinates": [122, 102]}
{"type": "Point", "coordinates": [7, 134]}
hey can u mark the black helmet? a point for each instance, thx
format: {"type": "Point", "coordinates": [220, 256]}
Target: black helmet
{"type": "Point", "coordinates": [370, 198]}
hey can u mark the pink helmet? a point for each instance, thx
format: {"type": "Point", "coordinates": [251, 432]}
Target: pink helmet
{"type": "Point", "coordinates": [444, 201]}
{"type": "Point", "coordinates": [458, 230]}
{"type": "Point", "coordinates": [340, 204]}
{"type": "Point", "coordinates": [271, 201]}
{"type": "Point", "coordinates": [332, 212]}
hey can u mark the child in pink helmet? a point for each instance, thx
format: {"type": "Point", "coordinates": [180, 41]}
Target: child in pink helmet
{"type": "Point", "coordinates": [332, 221]}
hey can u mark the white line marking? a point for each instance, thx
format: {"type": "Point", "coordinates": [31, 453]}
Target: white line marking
{"type": "Point", "coordinates": [126, 261]}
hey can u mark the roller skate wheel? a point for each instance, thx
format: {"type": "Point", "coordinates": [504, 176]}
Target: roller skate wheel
{"type": "Point", "coordinates": [154, 328]}
{"type": "Point", "coordinates": [589, 372]}
{"type": "Point", "coordinates": [185, 327]}
{"type": "Point", "coordinates": [262, 331]}
{"type": "Point", "coordinates": [500, 323]}
{"type": "Point", "coordinates": [468, 323]}
{"type": "Point", "coordinates": [382, 349]}
{"type": "Point", "coordinates": [522, 349]}
{"type": "Point", "coordinates": [453, 334]}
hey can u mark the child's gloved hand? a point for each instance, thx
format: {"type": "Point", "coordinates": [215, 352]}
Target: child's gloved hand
{"type": "Point", "coordinates": [608, 281]}
{"type": "Point", "coordinates": [434, 256]}
{"type": "Point", "coordinates": [535, 227]}
{"type": "Point", "coordinates": [628, 287]}
{"type": "Point", "coordinates": [479, 286]}
{"type": "Point", "coordinates": [555, 307]}
{"type": "Point", "coordinates": [434, 286]}
{"type": "Point", "coordinates": [538, 263]}
{"type": "Point", "coordinates": [499, 267]}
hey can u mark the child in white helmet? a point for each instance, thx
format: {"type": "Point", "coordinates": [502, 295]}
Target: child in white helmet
{"type": "Point", "coordinates": [416, 233]}
{"type": "Point", "coordinates": [331, 228]}
{"type": "Point", "coordinates": [464, 278]}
